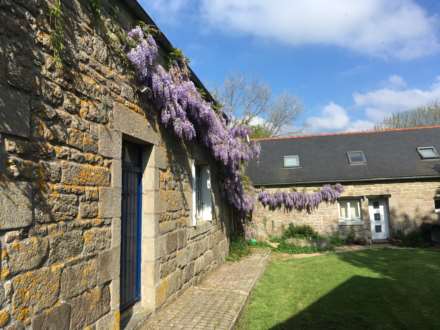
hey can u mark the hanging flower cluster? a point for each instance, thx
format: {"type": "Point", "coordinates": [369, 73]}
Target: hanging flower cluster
{"type": "Point", "coordinates": [191, 117]}
{"type": "Point", "coordinates": [300, 200]}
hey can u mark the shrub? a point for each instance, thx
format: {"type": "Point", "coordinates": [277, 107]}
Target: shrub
{"type": "Point", "coordinates": [415, 238]}
{"type": "Point", "coordinates": [238, 248]}
{"type": "Point", "coordinates": [303, 231]}
{"type": "Point", "coordinates": [336, 240]}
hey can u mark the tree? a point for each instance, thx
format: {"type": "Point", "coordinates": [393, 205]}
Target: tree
{"type": "Point", "coordinates": [423, 116]}
{"type": "Point", "coordinates": [251, 102]}
{"type": "Point", "coordinates": [259, 131]}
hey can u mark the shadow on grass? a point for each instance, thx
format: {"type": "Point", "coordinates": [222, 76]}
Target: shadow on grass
{"type": "Point", "coordinates": [404, 296]}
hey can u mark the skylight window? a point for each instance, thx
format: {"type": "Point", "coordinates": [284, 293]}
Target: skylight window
{"type": "Point", "coordinates": [356, 157]}
{"type": "Point", "coordinates": [428, 153]}
{"type": "Point", "coordinates": [291, 161]}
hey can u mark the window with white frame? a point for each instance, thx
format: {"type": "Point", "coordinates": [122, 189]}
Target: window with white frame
{"type": "Point", "coordinates": [202, 198]}
{"type": "Point", "coordinates": [350, 210]}
{"type": "Point", "coordinates": [437, 204]}
{"type": "Point", "coordinates": [428, 152]}
{"type": "Point", "coordinates": [291, 161]}
{"type": "Point", "coordinates": [356, 157]}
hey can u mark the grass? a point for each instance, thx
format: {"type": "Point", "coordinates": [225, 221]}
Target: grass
{"type": "Point", "coordinates": [370, 289]}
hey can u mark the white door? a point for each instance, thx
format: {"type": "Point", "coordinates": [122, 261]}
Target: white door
{"type": "Point", "coordinates": [378, 209]}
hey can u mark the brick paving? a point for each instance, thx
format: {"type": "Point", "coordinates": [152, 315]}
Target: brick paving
{"type": "Point", "coordinates": [217, 302]}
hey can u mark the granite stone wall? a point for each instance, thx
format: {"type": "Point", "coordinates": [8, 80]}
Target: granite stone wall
{"type": "Point", "coordinates": [61, 134]}
{"type": "Point", "coordinates": [410, 204]}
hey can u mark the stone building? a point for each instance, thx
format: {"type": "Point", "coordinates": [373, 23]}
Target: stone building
{"type": "Point", "coordinates": [391, 180]}
{"type": "Point", "coordinates": [104, 215]}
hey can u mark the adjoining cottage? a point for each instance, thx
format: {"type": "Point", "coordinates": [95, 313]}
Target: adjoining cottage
{"type": "Point", "coordinates": [104, 214]}
{"type": "Point", "coordinates": [391, 180]}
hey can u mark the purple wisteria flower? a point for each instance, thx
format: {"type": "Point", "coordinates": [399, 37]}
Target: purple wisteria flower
{"type": "Point", "coordinates": [300, 200]}
{"type": "Point", "coordinates": [185, 111]}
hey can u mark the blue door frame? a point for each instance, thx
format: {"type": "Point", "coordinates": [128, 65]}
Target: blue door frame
{"type": "Point", "coordinates": [131, 225]}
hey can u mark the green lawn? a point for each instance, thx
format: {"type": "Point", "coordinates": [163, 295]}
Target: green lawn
{"type": "Point", "coordinates": [370, 289]}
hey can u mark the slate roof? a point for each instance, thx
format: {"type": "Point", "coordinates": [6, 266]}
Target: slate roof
{"type": "Point", "coordinates": [391, 155]}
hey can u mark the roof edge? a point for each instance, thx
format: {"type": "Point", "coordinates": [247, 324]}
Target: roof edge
{"type": "Point", "coordinates": [386, 130]}
{"type": "Point", "coordinates": [164, 42]}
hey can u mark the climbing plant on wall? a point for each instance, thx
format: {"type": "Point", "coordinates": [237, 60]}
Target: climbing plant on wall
{"type": "Point", "coordinates": [191, 117]}
{"type": "Point", "coordinates": [300, 200]}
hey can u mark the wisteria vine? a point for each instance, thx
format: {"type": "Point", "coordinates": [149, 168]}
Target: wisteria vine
{"type": "Point", "coordinates": [300, 200]}
{"type": "Point", "coordinates": [191, 117]}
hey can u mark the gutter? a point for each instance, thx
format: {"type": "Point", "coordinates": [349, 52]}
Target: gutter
{"type": "Point", "coordinates": [410, 178]}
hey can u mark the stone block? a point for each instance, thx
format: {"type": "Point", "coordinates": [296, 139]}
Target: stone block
{"type": "Point", "coordinates": [63, 207]}
{"type": "Point", "coordinates": [116, 168]}
{"type": "Point", "coordinates": [162, 292]}
{"type": "Point", "coordinates": [109, 321]}
{"type": "Point", "coordinates": [65, 245]}
{"type": "Point", "coordinates": [34, 291]}
{"type": "Point", "coordinates": [2, 294]}
{"type": "Point", "coordinates": [27, 254]}
{"type": "Point", "coordinates": [181, 239]}
{"type": "Point", "coordinates": [167, 226]}
{"type": "Point", "coordinates": [89, 307]}
{"type": "Point", "coordinates": [85, 175]}
{"type": "Point", "coordinates": [110, 143]}
{"type": "Point", "coordinates": [15, 204]}
{"type": "Point", "coordinates": [133, 124]}
{"type": "Point", "coordinates": [161, 158]}
{"type": "Point", "coordinates": [50, 171]}
{"type": "Point", "coordinates": [110, 202]}
{"type": "Point", "coordinates": [188, 273]}
{"type": "Point", "coordinates": [182, 258]}
{"type": "Point", "coordinates": [56, 318]}
{"type": "Point", "coordinates": [97, 239]}
{"type": "Point", "coordinates": [108, 268]}
{"type": "Point", "coordinates": [78, 278]}
{"type": "Point", "coordinates": [88, 210]}
{"type": "Point", "coordinates": [171, 243]}
{"type": "Point", "coordinates": [14, 112]}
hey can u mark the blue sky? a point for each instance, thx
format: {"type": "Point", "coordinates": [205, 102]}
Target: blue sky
{"type": "Point", "coordinates": [350, 62]}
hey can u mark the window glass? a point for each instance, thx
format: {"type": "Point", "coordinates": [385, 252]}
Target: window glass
{"type": "Point", "coordinates": [343, 206]}
{"type": "Point", "coordinates": [203, 193]}
{"type": "Point", "coordinates": [437, 204]}
{"type": "Point", "coordinates": [291, 161]}
{"type": "Point", "coordinates": [356, 157]}
{"type": "Point", "coordinates": [350, 210]}
{"type": "Point", "coordinates": [428, 152]}
{"type": "Point", "coordinates": [354, 209]}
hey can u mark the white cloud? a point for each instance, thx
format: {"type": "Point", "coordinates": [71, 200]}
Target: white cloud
{"type": "Point", "coordinates": [382, 102]}
{"type": "Point", "coordinates": [360, 125]}
{"type": "Point", "coordinates": [385, 28]}
{"type": "Point", "coordinates": [395, 81]}
{"type": "Point", "coordinates": [257, 121]}
{"type": "Point", "coordinates": [333, 117]}
{"type": "Point", "coordinates": [336, 118]}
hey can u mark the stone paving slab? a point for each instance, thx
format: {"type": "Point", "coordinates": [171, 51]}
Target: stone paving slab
{"type": "Point", "coordinates": [217, 302]}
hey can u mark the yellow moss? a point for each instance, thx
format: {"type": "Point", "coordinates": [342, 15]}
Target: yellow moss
{"type": "Point", "coordinates": [161, 292]}
{"type": "Point", "coordinates": [4, 318]}
{"type": "Point", "coordinates": [22, 313]}
{"type": "Point", "coordinates": [117, 322]}
{"type": "Point", "coordinates": [5, 273]}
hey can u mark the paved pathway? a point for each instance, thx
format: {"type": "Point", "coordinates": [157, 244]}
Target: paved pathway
{"type": "Point", "coordinates": [217, 302]}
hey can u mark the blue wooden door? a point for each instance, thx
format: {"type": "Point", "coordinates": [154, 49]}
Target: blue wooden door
{"type": "Point", "coordinates": [130, 287]}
